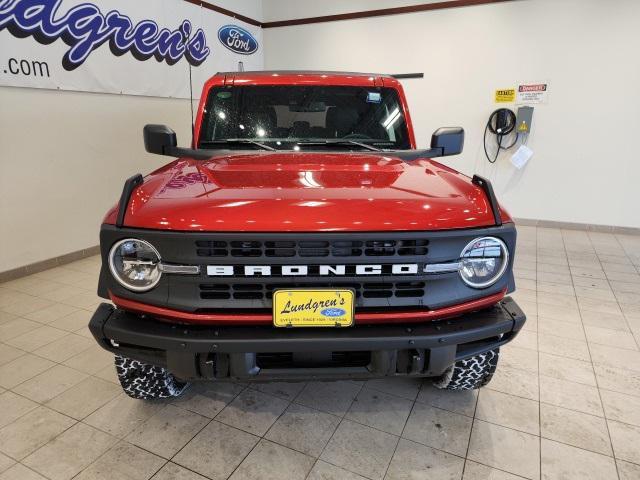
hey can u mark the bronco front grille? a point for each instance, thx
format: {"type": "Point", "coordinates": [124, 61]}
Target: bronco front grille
{"type": "Point", "coordinates": [264, 291]}
{"type": "Point", "coordinates": [312, 248]}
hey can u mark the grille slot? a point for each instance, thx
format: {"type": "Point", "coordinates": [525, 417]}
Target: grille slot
{"type": "Point", "coordinates": [312, 248]}
{"type": "Point", "coordinates": [264, 291]}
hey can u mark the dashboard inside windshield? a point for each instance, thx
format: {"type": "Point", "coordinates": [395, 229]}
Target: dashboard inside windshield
{"type": "Point", "coordinates": [291, 117]}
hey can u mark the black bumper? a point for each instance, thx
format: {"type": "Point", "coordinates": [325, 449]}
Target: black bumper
{"type": "Point", "coordinates": [265, 353]}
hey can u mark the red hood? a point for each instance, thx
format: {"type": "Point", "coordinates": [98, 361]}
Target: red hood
{"type": "Point", "coordinates": [287, 191]}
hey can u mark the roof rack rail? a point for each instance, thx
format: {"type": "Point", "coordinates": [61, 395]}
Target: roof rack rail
{"type": "Point", "coordinates": [487, 188]}
{"type": "Point", "coordinates": [129, 186]}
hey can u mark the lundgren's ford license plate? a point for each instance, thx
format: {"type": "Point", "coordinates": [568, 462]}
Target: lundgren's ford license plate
{"type": "Point", "coordinates": [313, 308]}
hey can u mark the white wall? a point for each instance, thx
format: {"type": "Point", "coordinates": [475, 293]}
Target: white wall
{"type": "Point", "coordinates": [63, 160]}
{"type": "Point", "coordinates": [274, 10]}
{"type": "Point", "coordinates": [585, 167]}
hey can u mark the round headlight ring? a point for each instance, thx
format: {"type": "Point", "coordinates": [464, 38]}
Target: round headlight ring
{"type": "Point", "coordinates": [467, 253]}
{"type": "Point", "coordinates": [153, 264]}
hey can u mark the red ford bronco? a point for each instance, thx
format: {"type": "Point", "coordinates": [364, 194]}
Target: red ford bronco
{"type": "Point", "coordinates": [303, 236]}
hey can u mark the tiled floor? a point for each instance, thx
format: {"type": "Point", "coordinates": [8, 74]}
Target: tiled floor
{"type": "Point", "coordinates": [565, 402]}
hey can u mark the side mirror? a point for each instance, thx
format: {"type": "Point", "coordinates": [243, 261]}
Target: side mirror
{"type": "Point", "coordinates": [159, 139]}
{"type": "Point", "coordinates": [448, 140]}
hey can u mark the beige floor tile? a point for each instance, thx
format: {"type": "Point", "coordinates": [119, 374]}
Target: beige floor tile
{"type": "Point", "coordinates": [15, 328]}
{"type": "Point", "coordinates": [10, 297]}
{"type": "Point", "coordinates": [574, 396]}
{"type": "Point", "coordinates": [616, 357]}
{"type": "Point", "coordinates": [64, 348]}
{"type": "Point", "coordinates": [37, 338]}
{"type": "Point", "coordinates": [22, 369]}
{"type": "Point", "coordinates": [380, 410]}
{"type": "Point", "coordinates": [565, 368]}
{"type": "Point", "coordinates": [561, 461]}
{"type": "Point", "coordinates": [20, 472]}
{"type": "Point", "coordinates": [285, 390]}
{"type": "Point", "coordinates": [609, 337]}
{"type": "Point", "coordinates": [621, 407]}
{"type": "Point", "coordinates": [84, 398]}
{"type": "Point", "coordinates": [123, 462]}
{"type": "Point", "coordinates": [401, 387]}
{"type": "Point", "coordinates": [27, 305]}
{"type": "Point", "coordinates": [509, 411]}
{"type": "Point", "coordinates": [253, 412]}
{"type": "Point", "coordinates": [5, 462]}
{"type": "Point", "coordinates": [601, 306]}
{"type": "Point", "coordinates": [559, 299]}
{"type": "Point", "coordinates": [526, 339]}
{"type": "Point", "coordinates": [171, 471]}
{"type": "Point", "coordinates": [476, 471]}
{"type": "Point", "coordinates": [14, 406]}
{"type": "Point", "coordinates": [555, 312]}
{"type": "Point", "coordinates": [571, 330]}
{"type": "Point", "coordinates": [514, 382]}
{"type": "Point", "coordinates": [520, 358]}
{"type": "Point", "coordinates": [325, 471]}
{"type": "Point", "coordinates": [166, 432]}
{"type": "Point", "coordinates": [86, 300]}
{"type": "Point", "coordinates": [73, 321]}
{"type": "Point", "coordinates": [108, 373]}
{"type": "Point", "coordinates": [62, 293]}
{"type": "Point", "coordinates": [628, 471]}
{"type": "Point", "coordinates": [438, 428]}
{"type": "Point", "coordinates": [564, 347]}
{"type": "Point", "coordinates": [625, 439]}
{"type": "Point", "coordinates": [91, 360]}
{"type": "Point", "coordinates": [564, 288]}
{"type": "Point", "coordinates": [216, 451]}
{"type": "Point", "coordinates": [270, 461]}
{"type": "Point", "coordinates": [49, 314]}
{"type": "Point", "coordinates": [330, 397]}
{"type": "Point", "coordinates": [303, 429]}
{"type": "Point", "coordinates": [462, 402]}
{"type": "Point", "coordinates": [575, 428]}
{"type": "Point", "coordinates": [122, 415]}
{"type": "Point", "coordinates": [9, 353]}
{"type": "Point", "coordinates": [360, 449]}
{"type": "Point", "coordinates": [208, 398]}
{"type": "Point", "coordinates": [31, 431]}
{"type": "Point", "coordinates": [612, 321]}
{"type": "Point", "coordinates": [618, 379]}
{"type": "Point", "coordinates": [415, 461]}
{"type": "Point", "coordinates": [505, 449]}
{"type": "Point", "coordinates": [49, 384]}
{"type": "Point", "coordinates": [595, 293]}
{"type": "Point", "coordinates": [70, 452]}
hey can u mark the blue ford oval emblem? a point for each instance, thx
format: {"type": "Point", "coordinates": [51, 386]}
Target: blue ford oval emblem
{"type": "Point", "coordinates": [237, 39]}
{"type": "Point", "coordinates": [333, 312]}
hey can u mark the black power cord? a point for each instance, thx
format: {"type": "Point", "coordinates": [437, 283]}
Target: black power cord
{"type": "Point", "coordinates": [501, 123]}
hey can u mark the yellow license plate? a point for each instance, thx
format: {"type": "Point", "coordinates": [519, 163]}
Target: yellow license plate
{"type": "Point", "coordinates": [313, 308]}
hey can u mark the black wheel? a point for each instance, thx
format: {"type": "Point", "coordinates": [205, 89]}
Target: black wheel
{"type": "Point", "coordinates": [470, 373]}
{"type": "Point", "coordinates": [146, 382]}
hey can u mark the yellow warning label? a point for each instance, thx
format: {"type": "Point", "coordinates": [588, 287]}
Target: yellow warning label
{"type": "Point", "coordinates": [523, 127]}
{"type": "Point", "coordinates": [505, 95]}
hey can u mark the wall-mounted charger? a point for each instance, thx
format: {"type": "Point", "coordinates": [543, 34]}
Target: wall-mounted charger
{"type": "Point", "coordinates": [524, 119]}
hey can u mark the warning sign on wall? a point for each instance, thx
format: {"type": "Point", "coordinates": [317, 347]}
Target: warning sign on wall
{"type": "Point", "coordinates": [529, 93]}
{"type": "Point", "coordinates": [505, 95]}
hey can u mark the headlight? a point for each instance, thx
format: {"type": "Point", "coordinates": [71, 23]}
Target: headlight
{"type": "Point", "coordinates": [135, 264]}
{"type": "Point", "coordinates": [483, 261]}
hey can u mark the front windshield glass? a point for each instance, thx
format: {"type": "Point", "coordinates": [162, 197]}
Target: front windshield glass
{"type": "Point", "coordinates": [289, 117]}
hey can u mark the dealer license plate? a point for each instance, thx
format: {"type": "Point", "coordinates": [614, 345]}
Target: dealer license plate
{"type": "Point", "coordinates": [313, 308]}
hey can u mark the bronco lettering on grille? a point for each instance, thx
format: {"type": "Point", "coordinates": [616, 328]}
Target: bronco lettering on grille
{"type": "Point", "coordinates": [313, 270]}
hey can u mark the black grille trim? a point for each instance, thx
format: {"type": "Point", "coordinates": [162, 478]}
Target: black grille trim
{"type": "Point", "coordinates": [312, 248]}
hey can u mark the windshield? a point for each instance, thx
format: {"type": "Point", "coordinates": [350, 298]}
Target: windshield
{"type": "Point", "coordinates": [288, 117]}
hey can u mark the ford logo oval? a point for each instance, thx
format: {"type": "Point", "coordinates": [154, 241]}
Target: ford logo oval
{"type": "Point", "coordinates": [237, 39]}
{"type": "Point", "coordinates": [333, 312]}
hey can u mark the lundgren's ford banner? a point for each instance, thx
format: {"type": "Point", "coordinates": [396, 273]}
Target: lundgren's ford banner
{"type": "Point", "coordinates": [146, 47]}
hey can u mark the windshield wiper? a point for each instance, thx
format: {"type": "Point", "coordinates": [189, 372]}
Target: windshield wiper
{"type": "Point", "coordinates": [237, 141]}
{"type": "Point", "coordinates": [342, 142]}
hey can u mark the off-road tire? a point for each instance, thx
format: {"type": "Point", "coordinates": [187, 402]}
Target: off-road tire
{"type": "Point", "coordinates": [146, 382]}
{"type": "Point", "coordinates": [470, 373]}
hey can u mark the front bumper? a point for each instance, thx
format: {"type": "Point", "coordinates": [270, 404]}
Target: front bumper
{"type": "Point", "coordinates": [265, 353]}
